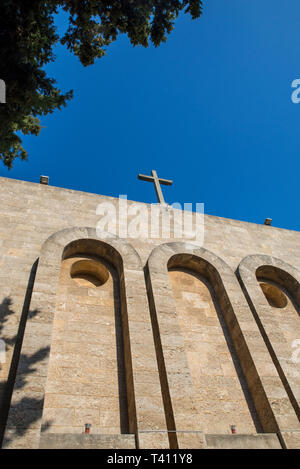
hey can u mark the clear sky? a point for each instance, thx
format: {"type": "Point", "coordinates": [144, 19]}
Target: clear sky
{"type": "Point", "coordinates": [210, 109]}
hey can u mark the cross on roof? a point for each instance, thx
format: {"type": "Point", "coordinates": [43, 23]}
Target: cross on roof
{"type": "Point", "coordinates": [157, 181]}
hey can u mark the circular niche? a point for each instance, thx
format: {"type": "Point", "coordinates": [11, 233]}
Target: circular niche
{"type": "Point", "coordinates": [89, 273]}
{"type": "Point", "coordinates": [275, 297]}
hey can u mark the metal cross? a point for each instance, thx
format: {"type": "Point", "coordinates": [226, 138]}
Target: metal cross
{"type": "Point", "coordinates": [157, 181]}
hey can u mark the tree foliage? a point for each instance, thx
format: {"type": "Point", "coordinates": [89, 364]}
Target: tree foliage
{"type": "Point", "coordinates": [28, 37]}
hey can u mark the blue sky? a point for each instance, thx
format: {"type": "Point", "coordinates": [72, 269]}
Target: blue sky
{"type": "Point", "coordinates": [210, 109]}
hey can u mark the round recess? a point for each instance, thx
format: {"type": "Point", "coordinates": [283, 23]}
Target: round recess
{"type": "Point", "coordinates": [275, 297]}
{"type": "Point", "coordinates": [89, 273]}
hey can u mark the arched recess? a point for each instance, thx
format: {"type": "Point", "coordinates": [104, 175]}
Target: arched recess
{"type": "Point", "coordinates": [272, 288]}
{"type": "Point", "coordinates": [177, 379]}
{"type": "Point", "coordinates": [118, 256]}
{"type": "Point", "coordinates": [86, 379]}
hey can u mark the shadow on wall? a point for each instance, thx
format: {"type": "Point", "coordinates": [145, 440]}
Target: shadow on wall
{"type": "Point", "coordinates": [25, 411]}
{"type": "Point", "coordinates": [119, 340]}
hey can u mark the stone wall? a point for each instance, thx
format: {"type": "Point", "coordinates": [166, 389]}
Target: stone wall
{"type": "Point", "coordinates": [161, 347]}
{"type": "Point", "coordinates": [220, 392]}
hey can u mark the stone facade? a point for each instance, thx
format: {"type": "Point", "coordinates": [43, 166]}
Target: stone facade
{"type": "Point", "coordinates": [156, 342]}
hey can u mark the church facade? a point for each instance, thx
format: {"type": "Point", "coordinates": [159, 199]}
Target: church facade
{"type": "Point", "coordinates": [151, 342]}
